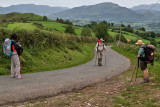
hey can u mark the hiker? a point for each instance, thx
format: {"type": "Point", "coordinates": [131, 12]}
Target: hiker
{"type": "Point", "coordinates": [143, 64]}
{"type": "Point", "coordinates": [100, 47]}
{"type": "Point", "coordinates": [15, 62]}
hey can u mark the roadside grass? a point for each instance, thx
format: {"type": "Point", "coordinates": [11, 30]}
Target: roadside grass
{"type": "Point", "coordinates": [51, 58]}
{"type": "Point", "coordinates": [137, 94]}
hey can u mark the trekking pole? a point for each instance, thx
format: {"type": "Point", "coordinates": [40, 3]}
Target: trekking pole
{"type": "Point", "coordinates": [105, 57]}
{"type": "Point", "coordinates": [21, 65]}
{"type": "Point", "coordinates": [96, 59]}
{"type": "Point", "coordinates": [137, 70]}
{"type": "Point", "coordinates": [133, 72]}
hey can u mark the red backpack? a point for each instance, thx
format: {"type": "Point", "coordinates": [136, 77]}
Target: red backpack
{"type": "Point", "coordinates": [149, 54]}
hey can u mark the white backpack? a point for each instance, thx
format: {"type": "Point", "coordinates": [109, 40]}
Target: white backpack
{"type": "Point", "coordinates": [100, 47]}
{"type": "Point", "coordinates": [7, 47]}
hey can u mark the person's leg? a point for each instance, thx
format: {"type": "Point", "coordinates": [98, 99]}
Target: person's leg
{"type": "Point", "coordinates": [17, 65]}
{"type": "Point", "coordinates": [98, 58]}
{"type": "Point", "coordinates": [12, 68]}
{"type": "Point", "coordinates": [146, 73]}
{"type": "Point", "coordinates": [145, 70]}
{"type": "Point", "coordinates": [101, 56]}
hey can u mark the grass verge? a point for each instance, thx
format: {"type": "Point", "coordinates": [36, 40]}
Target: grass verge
{"type": "Point", "coordinates": [138, 94]}
{"type": "Point", "coordinates": [51, 58]}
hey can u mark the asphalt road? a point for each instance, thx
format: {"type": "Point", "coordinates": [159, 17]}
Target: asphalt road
{"type": "Point", "coordinates": [51, 83]}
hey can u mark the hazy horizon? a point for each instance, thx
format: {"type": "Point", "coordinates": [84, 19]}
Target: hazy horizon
{"type": "Point", "coordinates": [76, 3]}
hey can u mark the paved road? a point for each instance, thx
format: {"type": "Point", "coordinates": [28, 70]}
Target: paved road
{"type": "Point", "coordinates": [45, 84]}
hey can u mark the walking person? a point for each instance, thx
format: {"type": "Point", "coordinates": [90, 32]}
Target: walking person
{"type": "Point", "coordinates": [100, 48]}
{"type": "Point", "coordinates": [143, 64]}
{"type": "Point", "coordinates": [15, 62]}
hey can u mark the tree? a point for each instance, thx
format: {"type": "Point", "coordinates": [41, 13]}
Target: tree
{"type": "Point", "coordinates": [93, 23]}
{"type": "Point", "coordinates": [70, 29]}
{"type": "Point", "coordinates": [101, 31]}
{"type": "Point", "coordinates": [112, 24]}
{"type": "Point", "coordinates": [86, 31]}
{"type": "Point", "coordinates": [153, 42]}
{"type": "Point", "coordinates": [122, 25]}
{"type": "Point", "coordinates": [129, 26]}
{"type": "Point", "coordinates": [152, 34]}
{"type": "Point", "coordinates": [123, 39]}
{"type": "Point", "coordinates": [45, 18]}
{"type": "Point", "coordinates": [57, 20]}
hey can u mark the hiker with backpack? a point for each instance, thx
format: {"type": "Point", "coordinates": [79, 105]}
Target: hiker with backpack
{"type": "Point", "coordinates": [145, 56]}
{"type": "Point", "coordinates": [12, 49]}
{"type": "Point", "coordinates": [100, 47]}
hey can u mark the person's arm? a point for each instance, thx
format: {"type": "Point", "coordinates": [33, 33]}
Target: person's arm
{"type": "Point", "coordinates": [96, 47]}
{"type": "Point", "coordinates": [141, 50]}
{"type": "Point", "coordinates": [104, 47]}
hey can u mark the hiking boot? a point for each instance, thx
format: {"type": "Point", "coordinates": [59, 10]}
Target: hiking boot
{"type": "Point", "coordinates": [20, 77]}
{"type": "Point", "coordinates": [12, 76]}
{"type": "Point", "coordinates": [146, 80]}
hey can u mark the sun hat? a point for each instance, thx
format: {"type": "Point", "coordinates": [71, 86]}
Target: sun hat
{"type": "Point", "coordinates": [101, 39]}
{"type": "Point", "coordinates": [139, 42]}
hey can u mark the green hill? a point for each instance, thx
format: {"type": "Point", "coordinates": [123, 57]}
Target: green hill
{"type": "Point", "coordinates": [16, 17]}
{"type": "Point", "coordinates": [30, 21]}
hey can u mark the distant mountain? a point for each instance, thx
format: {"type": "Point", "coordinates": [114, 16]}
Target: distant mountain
{"type": "Point", "coordinates": [103, 11]}
{"type": "Point", "coordinates": [146, 7]}
{"type": "Point", "coordinates": [32, 8]}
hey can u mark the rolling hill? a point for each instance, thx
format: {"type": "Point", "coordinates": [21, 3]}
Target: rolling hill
{"type": "Point", "coordinates": [16, 17]}
{"type": "Point", "coordinates": [105, 11]}
{"type": "Point", "coordinates": [32, 8]}
{"type": "Point", "coordinates": [146, 7]}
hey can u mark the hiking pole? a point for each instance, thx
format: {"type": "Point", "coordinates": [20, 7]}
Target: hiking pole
{"type": "Point", "coordinates": [133, 72]}
{"type": "Point", "coordinates": [137, 70]}
{"type": "Point", "coordinates": [21, 65]}
{"type": "Point", "coordinates": [105, 57]}
{"type": "Point", "coordinates": [96, 59]}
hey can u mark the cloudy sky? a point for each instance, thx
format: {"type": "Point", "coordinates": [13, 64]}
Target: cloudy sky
{"type": "Point", "coordinates": [75, 3]}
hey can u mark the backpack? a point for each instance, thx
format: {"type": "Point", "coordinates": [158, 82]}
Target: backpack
{"type": "Point", "coordinates": [100, 47]}
{"type": "Point", "coordinates": [7, 49]}
{"type": "Point", "coordinates": [149, 54]}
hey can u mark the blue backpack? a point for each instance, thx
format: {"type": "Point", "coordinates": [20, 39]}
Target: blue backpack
{"type": "Point", "coordinates": [7, 47]}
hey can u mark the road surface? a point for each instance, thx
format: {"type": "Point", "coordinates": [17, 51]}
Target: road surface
{"type": "Point", "coordinates": [51, 83]}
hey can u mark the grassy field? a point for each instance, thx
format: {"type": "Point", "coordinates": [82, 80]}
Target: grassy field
{"type": "Point", "coordinates": [157, 39]}
{"type": "Point", "coordinates": [19, 26]}
{"type": "Point", "coordinates": [60, 27]}
{"type": "Point", "coordinates": [130, 36]}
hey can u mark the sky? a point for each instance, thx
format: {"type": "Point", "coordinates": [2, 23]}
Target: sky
{"type": "Point", "coordinates": [76, 3]}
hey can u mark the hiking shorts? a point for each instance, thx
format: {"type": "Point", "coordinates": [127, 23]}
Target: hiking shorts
{"type": "Point", "coordinates": [143, 65]}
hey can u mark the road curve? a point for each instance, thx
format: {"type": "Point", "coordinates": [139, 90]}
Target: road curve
{"type": "Point", "coordinates": [51, 83]}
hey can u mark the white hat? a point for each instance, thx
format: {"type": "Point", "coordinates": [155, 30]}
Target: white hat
{"type": "Point", "coordinates": [101, 39]}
